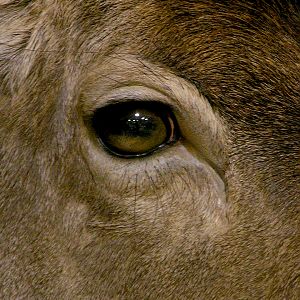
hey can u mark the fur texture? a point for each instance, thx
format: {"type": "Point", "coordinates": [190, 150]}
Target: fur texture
{"type": "Point", "coordinates": [216, 217]}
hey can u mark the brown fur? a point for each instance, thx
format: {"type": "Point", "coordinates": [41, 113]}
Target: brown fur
{"type": "Point", "coordinates": [76, 223]}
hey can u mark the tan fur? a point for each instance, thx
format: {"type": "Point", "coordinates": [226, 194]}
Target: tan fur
{"type": "Point", "coordinates": [216, 216]}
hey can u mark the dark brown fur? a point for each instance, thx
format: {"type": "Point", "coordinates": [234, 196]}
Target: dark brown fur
{"type": "Point", "coordinates": [55, 210]}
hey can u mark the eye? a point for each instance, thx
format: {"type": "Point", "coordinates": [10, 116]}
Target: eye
{"type": "Point", "coordinates": [135, 129]}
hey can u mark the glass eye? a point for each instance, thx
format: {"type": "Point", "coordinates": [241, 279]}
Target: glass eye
{"type": "Point", "coordinates": [134, 129]}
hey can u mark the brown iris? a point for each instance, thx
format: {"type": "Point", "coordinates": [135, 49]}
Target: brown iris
{"type": "Point", "coordinates": [134, 129]}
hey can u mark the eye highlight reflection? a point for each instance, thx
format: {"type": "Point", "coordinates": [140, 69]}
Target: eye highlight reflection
{"type": "Point", "coordinates": [136, 128]}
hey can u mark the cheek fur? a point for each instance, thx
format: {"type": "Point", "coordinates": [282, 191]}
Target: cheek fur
{"type": "Point", "coordinates": [179, 197]}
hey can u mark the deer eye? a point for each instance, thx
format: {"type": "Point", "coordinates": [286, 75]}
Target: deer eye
{"type": "Point", "coordinates": [134, 129]}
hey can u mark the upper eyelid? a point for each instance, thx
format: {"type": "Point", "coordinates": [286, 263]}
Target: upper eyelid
{"type": "Point", "coordinates": [132, 71]}
{"type": "Point", "coordinates": [128, 94]}
{"type": "Point", "coordinates": [138, 101]}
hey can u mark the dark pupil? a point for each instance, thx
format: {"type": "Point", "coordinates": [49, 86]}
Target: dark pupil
{"type": "Point", "coordinates": [135, 124]}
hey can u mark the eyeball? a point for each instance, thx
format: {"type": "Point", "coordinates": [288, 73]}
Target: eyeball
{"type": "Point", "coordinates": [135, 129]}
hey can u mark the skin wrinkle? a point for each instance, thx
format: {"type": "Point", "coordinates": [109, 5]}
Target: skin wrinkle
{"type": "Point", "coordinates": [157, 198]}
{"type": "Point", "coordinates": [215, 216]}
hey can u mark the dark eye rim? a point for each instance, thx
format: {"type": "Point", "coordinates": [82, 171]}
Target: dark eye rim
{"type": "Point", "coordinates": [164, 111]}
